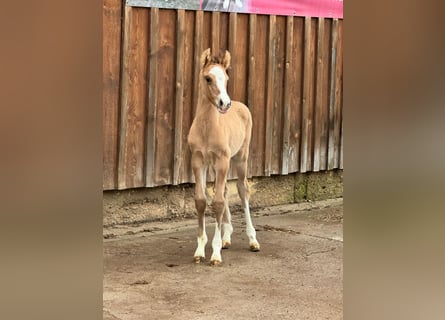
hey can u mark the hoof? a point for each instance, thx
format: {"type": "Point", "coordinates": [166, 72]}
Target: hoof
{"type": "Point", "coordinates": [215, 263]}
{"type": "Point", "coordinates": [199, 259]}
{"type": "Point", "coordinates": [226, 244]}
{"type": "Point", "coordinates": [255, 247]}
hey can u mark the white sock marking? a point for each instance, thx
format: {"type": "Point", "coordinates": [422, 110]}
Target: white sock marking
{"type": "Point", "coordinates": [200, 250]}
{"type": "Point", "coordinates": [227, 232]}
{"type": "Point", "coordinates": [216, 245]}
{"type": "Point", "coordinates": [250, 229]}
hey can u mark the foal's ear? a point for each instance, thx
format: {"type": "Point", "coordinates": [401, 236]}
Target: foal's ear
{"type": "Point", "coordinates": [206, 57]}
{"type": "Point", "coordinates": [226, 60]}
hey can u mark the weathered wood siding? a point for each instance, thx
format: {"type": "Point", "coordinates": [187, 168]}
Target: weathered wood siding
{"type": "Point", "coordinates": [288, 70]}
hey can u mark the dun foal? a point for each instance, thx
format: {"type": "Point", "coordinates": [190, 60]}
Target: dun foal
{"type": "Point", "coordinates": [220, 133]}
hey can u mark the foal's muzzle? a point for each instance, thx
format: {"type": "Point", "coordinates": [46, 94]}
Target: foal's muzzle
{"type": "Point", "coordinates": [223, 108]}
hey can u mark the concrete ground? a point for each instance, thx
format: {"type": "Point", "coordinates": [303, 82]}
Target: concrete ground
{"type": "Point", "coordinates": [149, 271]}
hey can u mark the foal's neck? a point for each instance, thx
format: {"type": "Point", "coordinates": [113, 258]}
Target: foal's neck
{"type": "Point", "coordinates": [206, 109]}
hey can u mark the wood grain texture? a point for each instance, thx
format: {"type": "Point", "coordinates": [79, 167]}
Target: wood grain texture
{"type": "Point", "coordinates": [296, 92]}
{"type": "Point", "coordinates": [199, 47]}
{"type": "Point", "coordinates": [339, 93]}
{"type": "Point", "coordinates": [324, 128]}
{"type": "Point", "coordinates": [288, 86]}
{"type": "Point", "coordinates": [232, 46]}
{"type": "Point", "coordinates": [179, 102]}
{"type": "Point", "coordinates": [216, 31]}
{"type": "Point", "coordinates": [278, 94]}
{"type": "Point", "coordinates": [308, 95]}
{"type": "Point", "coordinates": [223, 31]}
{"type": "Point", "coordinates": [166, 98]}
{"type": "Point", "coordinates": [253, 155]}
{"type": "Point", "coordinates": [333, 126]}
{"type": "Point", "coordinates": [258, 93]}
{"type": "Point", "coordinates": [112, 14]}
{"type": "Point", "coordinates": [133, 100]}
{"type": "Point", "coordinates": [152, 98]}
{"type": "Point", "coordinates": [319, 105]}
{"type": "Point", "coordinates": [271, 68]}
{"type": "Point", "coordinates": [188, 91]}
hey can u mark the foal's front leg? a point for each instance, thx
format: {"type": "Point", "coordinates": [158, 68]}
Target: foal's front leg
{"type": "Point", "coordinates": [199, 170]}
{"type": "Point", "coordinates": [221, 169]}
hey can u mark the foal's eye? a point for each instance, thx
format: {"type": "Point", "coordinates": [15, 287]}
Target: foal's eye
{"type": "Point", "coordinates": [208, 79]}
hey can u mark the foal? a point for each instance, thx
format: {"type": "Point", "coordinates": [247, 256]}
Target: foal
{"type": "Point", "coordinates": [220, 133]}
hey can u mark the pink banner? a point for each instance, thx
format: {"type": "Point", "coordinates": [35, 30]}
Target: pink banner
{"type": "Point", "coordinates": [302, 8]}
{"type": "Point", "coordinates": [309, 8]}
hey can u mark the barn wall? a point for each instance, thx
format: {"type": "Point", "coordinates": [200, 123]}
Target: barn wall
{"type": "Point", "coordinates": [288, 70]}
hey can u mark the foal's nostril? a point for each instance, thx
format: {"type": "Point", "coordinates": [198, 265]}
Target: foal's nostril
{"type": "Point", "coordinates": [220, 103]}
{"type": "Point", "coordinates": [229, 104]}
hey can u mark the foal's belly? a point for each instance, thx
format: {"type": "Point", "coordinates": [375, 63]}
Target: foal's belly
{"type": "Point", "coordinates": [213, 154]}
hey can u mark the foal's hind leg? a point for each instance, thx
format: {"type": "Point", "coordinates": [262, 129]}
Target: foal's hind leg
{"type": "Point", "coordinates": [227, 228]}
{"type": "Point", "coordinates": [244, 193]}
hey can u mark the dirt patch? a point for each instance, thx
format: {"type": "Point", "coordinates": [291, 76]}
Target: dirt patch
{"type": "Point", "coordinates": [296, 275]}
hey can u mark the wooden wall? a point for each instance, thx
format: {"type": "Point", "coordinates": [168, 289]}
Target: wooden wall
{"type": "Point", "coordinates": [288, 70]}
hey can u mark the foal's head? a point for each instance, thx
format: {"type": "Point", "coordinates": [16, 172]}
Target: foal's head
{"type": "Point", "coordinates": [213, 78]}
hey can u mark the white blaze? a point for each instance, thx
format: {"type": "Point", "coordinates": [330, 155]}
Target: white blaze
{"type": "Point", "coordinates": [220, 79]}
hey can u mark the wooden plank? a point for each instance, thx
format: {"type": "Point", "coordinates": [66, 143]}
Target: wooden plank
{"type": "Point", "coordinates": [152, 97]}
{"type": "Point", "coordinates": [232, 48]}
{"type": "Point", "coordinates": [239, 73]}
{"type": "Point", "coordinates": [288, 92]}
{"type": "Point", "coordinates": [207, 34]}
{"type": "Point", "coordinates": [133, 99]}
{"type": "Point", "coordinates": [271, 68]}
{"type": "Point", "coordinates": [306, 88]}
{"type": "Point", "coordinates": [223, 31]}
{"type": "Point", "coordinates": [179, 103]}
{"type": "Point", "coordinates": [308, 95]}
{"type": "Point", "coordinates": [215, 36]}
{"type": "Point", "coordinates": [296, 89]}
{"type": "Point", "coordinates": [312, 93]}
{"type": "Point", "coordinates": [258, 101]}
{"type": "Point", "coordinates": [252, 168]}
{"type": "Point", "coordinates": [324, 135]}
{"type": "Point", "coordinates": [339, 94]}
{"type": "Point", "coordinates": [198, 48]}
{"type": "Point", "coordinates": [188, 91]}
{"type": "Point", "coordinates": [166, 98]}
{"type": "Point", "coordinates": [278, 82]}
{"type": "Point", "coordinates": [112, 13]}
{"type": "Point", "coordinates": [332, 159]}
{"type": "Point", "coordinates": [319, 95]}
